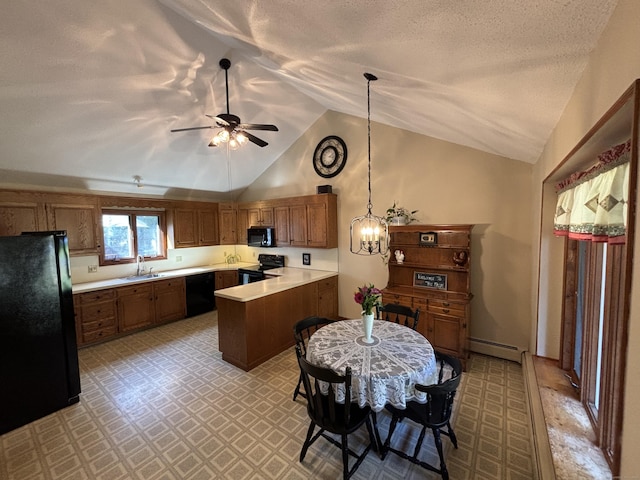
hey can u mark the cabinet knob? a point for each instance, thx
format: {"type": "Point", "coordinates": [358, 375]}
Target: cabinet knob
{"type": "Point", "coordinates": [445, 310]}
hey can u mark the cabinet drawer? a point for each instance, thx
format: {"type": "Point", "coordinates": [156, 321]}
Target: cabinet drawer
{"type": "Point", "coordinates": [135, 289]}
{"type": "Point", "coordinates": [168, 284]}
{"type": "Point", "coordinates": [97, 296]}
{"type": "Point", "coordinates": [447, 308]}
{"type": "Point", "coordinates": [98, 334]}
{"type": "Point", "coordinates": [328, 283]}
{"type": "Point", "coordinates": [97, 324]}
{"type": "Point", "coordinates": [97, 311]}
{"type": "Point", "coordinates": [397, 299]}
{"type": "Point", "coordinates": [420, 303]}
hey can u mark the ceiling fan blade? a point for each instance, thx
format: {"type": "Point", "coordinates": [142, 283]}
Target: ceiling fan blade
{"type": "Point", "coordinates": [190, 128]}
{"type": "Point", "coordinates": [258, 126]}
{"type": "Point", "coordinates": [254, 139]}
{"type": "Point", "coordinates": [211, 144]}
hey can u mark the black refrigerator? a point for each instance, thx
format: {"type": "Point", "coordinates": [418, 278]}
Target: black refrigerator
{"type": "Point", "coordinates": [39, 371]}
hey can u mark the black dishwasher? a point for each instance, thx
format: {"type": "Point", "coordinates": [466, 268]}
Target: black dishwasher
{"type": "Point", "coordinates": [200, 293]}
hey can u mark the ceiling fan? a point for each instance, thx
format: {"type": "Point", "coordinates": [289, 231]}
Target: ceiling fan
{"type": "Point", "coordinates": [231, 128]}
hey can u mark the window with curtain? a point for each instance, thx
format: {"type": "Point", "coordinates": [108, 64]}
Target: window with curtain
{"type": "Point", "coordinates": [592, 205]}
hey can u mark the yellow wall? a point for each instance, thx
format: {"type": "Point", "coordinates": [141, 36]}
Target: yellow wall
{"type": "Point", "coordinates": [447, 183]}
{"type": "Point", "coordinates": [613, 66]}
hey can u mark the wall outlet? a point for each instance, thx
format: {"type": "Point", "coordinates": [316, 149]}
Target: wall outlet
{"type": "Point", "coordinates": [92, 268]}
{"type": "Point", "coordinates": [178, 258]}
{"type": "Point", "coordinates": [306, 259]}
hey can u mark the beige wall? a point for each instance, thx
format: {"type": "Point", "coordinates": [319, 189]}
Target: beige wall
{"type": "Point", "coordinates": [447, 183]}
{"type": "Point", "coordinates": [614, 65]}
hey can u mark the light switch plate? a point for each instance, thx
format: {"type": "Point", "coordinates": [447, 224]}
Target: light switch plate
{"type": "Point", "coordinates": [92, 268]}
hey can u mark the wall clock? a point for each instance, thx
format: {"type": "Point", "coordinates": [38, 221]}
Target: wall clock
{"type": "Point", "coordinates": [330, 156]}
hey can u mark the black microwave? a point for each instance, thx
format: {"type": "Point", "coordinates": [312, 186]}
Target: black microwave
{"type": "Point", "coordinates": [261, 237]}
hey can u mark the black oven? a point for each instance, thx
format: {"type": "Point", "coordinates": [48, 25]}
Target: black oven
{"type": "Point", "coordinates": [255, 274]}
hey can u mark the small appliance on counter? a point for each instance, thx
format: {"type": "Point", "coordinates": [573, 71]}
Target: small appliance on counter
{"type": "Point", "coordinates": [255, 274]}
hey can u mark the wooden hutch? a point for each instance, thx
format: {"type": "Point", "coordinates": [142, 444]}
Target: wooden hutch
{"type": "Point", "coordinates": [434, 277]}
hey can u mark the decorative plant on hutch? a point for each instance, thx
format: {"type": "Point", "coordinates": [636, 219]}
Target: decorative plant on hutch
{"type": "Point", "coordinates": [397, 215]}
{"type": "Point", "coordinates": [369, 298]}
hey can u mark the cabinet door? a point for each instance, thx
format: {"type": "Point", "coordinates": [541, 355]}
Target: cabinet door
{"type": "Point", "coordinates": [18, 218]}
{"type": "Point", "coordinates": [80, 223]}
{"type": "Point", "coordinates": [253, 216]}
{"type": "Point", "coordinates": [226, 279]}
{"type": "Point", "coordinates": [266, 216]}
{"type": "Point", "coordinates": [135, 307]}
{"type": "Point", "coordinates": [243, 225]}
{"type": "Point", "coordinates": [446, 333]}
{"type": "Point", "coordinates": [185, 227]}
{"type": "Point", "coordinates": [317, 225]}
{"type": "Point", "coordinates": [170, 300]}
{"type": "Point", "coordinates": [208, 227]}
{"type": "Point", "coordinates": [328, 298]}
{"type": "Point", "coordinates": [227, 215]}
{"type": "Point", "coordinates": [298, 225]}
{"type": "Point", "coordinates": [281, 221]}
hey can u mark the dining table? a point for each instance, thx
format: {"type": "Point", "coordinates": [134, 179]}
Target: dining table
{"type": "Point", "coordinates": [384, 371]}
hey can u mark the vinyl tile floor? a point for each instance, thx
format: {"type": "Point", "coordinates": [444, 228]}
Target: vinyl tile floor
{"type": "Point", "coordinates": [162, 404]}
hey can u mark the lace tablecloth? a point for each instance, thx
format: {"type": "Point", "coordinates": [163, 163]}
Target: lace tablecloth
{"type": "Point", "coordinates": [384, 371]}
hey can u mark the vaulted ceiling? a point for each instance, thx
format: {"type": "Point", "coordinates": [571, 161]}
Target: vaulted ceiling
{"type": "Point", "coordinates": [89, 91]}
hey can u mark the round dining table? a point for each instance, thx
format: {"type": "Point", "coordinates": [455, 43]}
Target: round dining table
{"type": "Point", "coordinates": [384, 371]}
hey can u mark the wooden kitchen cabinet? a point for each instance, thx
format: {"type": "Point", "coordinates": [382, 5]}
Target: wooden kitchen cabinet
{"type": "Point", "coordinates": [312, 221]}
{"type": "Point", "coordinates": [136, 306]}
{"type": "Point", "coordinates": [195, 227]}
{"type": "Point", "coordinates": [260, 215]}
{"type": "Point", "coordinates": [328, 298]}
{"type": "Point", "coordinates": [226, 279]}
{"type": "Point", "coordinates": [21, 212]}
{"type": "Point", "coordinates": [434, 277]}
{"type": "Point", "coordinates": [242, 221]}
{"type": "Point", "coordinates": [96, 316]}
{"type": "Point", "coordinates": [79, 217]}
{"type": "Point", "coordinates": [281, 225]}
{"type": "Point", "coordinates": [170, 300]}
{"type": "Point", "coordinates": [227, 214]}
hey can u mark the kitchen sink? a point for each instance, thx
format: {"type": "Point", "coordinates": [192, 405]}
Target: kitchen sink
{"type": "Point", "coordinates": [143, 276]}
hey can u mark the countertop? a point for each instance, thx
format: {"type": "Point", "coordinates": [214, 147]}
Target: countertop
{"type": "Point", "coordinates": [183, 272]}
{"type": "Point", "coordinates": [283, 279]}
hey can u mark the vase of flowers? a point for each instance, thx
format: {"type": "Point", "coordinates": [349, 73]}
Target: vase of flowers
{"type": "Point", "coordinates": [397, 215]}
{"type": "Point", "coordinates": [369, 297]}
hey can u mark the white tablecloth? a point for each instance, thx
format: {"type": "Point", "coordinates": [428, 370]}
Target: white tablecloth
{"type": "Point", "coordinates": [383, 372]}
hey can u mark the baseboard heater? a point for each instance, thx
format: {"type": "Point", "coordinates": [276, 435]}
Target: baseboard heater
{"type": "Point", "coordinates": [495, 349]}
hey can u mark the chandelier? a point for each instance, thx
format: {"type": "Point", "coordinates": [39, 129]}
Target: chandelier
{"type": "Point", "coordinates": [369, 234]}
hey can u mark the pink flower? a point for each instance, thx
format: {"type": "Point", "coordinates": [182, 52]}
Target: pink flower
{"type": "Point", "coordinates": [368, 297]}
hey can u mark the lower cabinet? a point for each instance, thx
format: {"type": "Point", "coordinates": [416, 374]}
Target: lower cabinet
{"type": "Point", "coordinates": [328, 298]}
{"type": "Point", "coordinates": [252, 332]}
{"type": "Point", "coordinates": [136, 308]}
{"type": "Point", "coordinates": [170, 300]}
{"type": "Point", "coordinates": [106, 314]}
{"type": "Point", "coordinates": [226, 279]}
{"type": "Point", "coordinates": [96, 316]}
{"type": "Point", "coordinates": [442, 322]}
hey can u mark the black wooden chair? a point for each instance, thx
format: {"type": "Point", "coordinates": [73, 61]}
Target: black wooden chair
{"type": "Point", "coordinates": [435, 414]}
{"type": "Point", "coordinates": [340, 419]}
{"type": "Point", "coordinates": [302, 330]}
{"type": "Point", "coordinates": [401, 314]}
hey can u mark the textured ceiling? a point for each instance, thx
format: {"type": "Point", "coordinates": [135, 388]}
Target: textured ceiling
{"type": "Point", "coordinates": [89, 91]}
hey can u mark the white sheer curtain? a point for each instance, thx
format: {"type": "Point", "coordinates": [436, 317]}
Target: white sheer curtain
{"type": "Point", "coordinates": [592, 205]}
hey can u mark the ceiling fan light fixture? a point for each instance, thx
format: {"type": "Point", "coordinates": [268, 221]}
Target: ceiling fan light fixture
{"type": "Point", "coordinates": [241, 138]}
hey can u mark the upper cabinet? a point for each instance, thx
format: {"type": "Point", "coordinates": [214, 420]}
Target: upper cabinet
{"type": "Point", "coordinates": [227, 214]}
{"type": "Point", "coordinates": [78, 215]}
{"type": "Point", "coordinates": [21, 212]}
{"type": "Point", "coordinates": [195, 227]}
{"type": "Point", "coordinates": [260, 215]}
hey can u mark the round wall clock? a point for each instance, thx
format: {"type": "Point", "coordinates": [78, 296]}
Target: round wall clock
{"type": "Point", "coordinates": [330, 156]}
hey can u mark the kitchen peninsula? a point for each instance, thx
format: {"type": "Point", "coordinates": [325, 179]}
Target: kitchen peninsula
{"type": "Point", "coordinates": [255, 321]}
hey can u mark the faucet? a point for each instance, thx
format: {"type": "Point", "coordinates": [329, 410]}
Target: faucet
{"type": "Point", "coordinates": [139, 265]}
